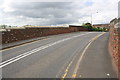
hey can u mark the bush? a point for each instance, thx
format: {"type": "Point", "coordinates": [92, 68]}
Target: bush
{"type": "Point", "coordinates": [98, 29]}
{"type": "Point", "coordinates": [87, 25]}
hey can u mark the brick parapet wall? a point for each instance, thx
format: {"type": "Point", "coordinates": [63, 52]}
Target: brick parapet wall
{"type": "Point", "coordinates": [114, 42]}
{"type": "Point", "coordinates": [12, 35]}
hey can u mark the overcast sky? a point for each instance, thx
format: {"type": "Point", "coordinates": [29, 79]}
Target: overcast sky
{"type": "Point", "coordinates": [55, 12]}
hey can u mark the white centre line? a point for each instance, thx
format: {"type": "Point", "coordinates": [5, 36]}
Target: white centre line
{"type": "Point", "coordinates": [14, 59]}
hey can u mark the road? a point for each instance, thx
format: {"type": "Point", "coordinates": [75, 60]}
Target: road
{"type": "Point", "coordinates": [61, 56]}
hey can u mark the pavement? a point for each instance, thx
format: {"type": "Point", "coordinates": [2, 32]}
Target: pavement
{"type": "Point", "coordinates": [59, 57]}
{"type": "Point", "coordinates": [97, 61]}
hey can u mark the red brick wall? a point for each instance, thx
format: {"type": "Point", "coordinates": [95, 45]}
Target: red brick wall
{"type": "Point", "coordinates": [114, 43]}
{"type": "Point", "coordinates": [28, 33]}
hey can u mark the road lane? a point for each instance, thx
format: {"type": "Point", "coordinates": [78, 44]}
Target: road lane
{"type": "Point", "coordinates": [12, 52]}
{"type": "Point", "coordinates": [9, 61]}
{"type": "Point", "coordinates": [48, 63]}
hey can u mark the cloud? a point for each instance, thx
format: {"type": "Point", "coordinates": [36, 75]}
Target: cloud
{"type": "Point", "coordinates": [119, 10]}
{"type": "Point", "coordinates": [54, 13]}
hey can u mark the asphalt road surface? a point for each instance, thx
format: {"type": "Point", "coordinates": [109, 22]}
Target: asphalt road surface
{"type": "Point", "coordinates": [79, 54]}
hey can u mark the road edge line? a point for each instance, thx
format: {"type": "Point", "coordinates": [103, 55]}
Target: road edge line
{"type": "Point", "coordinates": [81, 57]}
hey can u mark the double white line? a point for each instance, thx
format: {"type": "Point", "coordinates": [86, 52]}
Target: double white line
{"type": "Point", "coordinates": [14, 59]}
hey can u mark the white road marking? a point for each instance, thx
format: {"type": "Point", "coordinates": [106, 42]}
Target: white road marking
{"type": "Point", "coordinates": [22, 45]}
{"type": "Point", "coordinates": [67, 69]}
{"type": "Point", "coordinates": [14, 59]}
{"type": "Point", "coordinates": [81, 57]}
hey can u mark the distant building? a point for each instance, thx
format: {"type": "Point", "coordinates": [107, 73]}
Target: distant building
{"type": "Point", "coordinates": [51, 26]}
{"type": "Point", "coordinates": [78, 28]}
{"type": "Point", "coordinates": [75, 26]}
{"type": "Point", "coordinates": [101, 26]}
{"type": "Point", "coordinates": [7, 27]}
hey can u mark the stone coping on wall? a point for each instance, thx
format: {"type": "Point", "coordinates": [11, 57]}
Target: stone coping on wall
{"type": "Point", "coordinates": [117, 25]}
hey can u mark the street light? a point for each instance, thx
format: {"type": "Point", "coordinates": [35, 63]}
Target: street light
{"type": "Point", "coordinates": [92, 17]}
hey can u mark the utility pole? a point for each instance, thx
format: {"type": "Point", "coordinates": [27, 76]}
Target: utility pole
{"type": "Point", "coordinates": [92, 18]}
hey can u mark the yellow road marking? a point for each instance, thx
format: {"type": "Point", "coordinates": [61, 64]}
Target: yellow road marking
{"type": "Point", "coordinates": [75, 71]}
{"type": "Point", "coordinates": [64, 75]}
{"type": "Point", "coordinates": [74, 75]}
{"type": "Point", "coordinates": [79, 61]}
{"type": "Point", "coordinates": [67, 69]}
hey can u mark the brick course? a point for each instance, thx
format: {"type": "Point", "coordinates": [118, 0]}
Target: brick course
{"type": "Point", "coordinates": [13, 35]}
{"type": "Point", "coordinates": [114, 42]}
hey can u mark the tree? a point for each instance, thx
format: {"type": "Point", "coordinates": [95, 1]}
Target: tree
{"type": "Point", "coordinates": [87, 25]}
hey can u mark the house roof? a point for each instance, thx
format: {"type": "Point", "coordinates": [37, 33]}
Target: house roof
{"type": "Point", "coordinates": [75, 26]}
{"type": "Point", "coordinates": [99, 24]}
